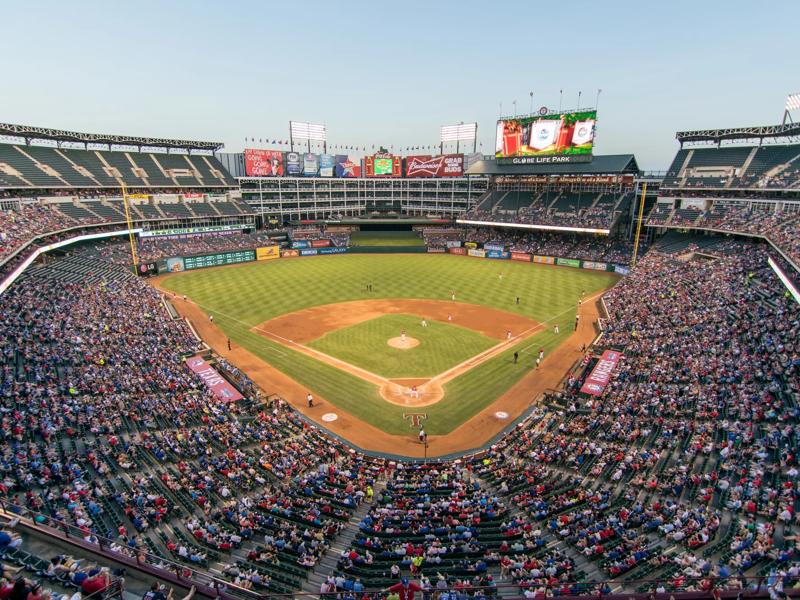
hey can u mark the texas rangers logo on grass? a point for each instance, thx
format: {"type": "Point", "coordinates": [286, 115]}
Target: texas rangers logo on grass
{"type": "Point", "coordinates": [416, 418]}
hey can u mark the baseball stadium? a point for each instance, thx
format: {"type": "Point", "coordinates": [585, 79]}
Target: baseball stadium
{"type": "Point", "coordinates": [309, 368]}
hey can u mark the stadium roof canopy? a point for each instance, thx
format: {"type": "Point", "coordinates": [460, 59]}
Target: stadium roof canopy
{"type": "Point", "coordinates": [601, 164]}
{"type": "Point", "coordinates": [59, 135]}
{"type": "Point", "coordinates": [715, 136]}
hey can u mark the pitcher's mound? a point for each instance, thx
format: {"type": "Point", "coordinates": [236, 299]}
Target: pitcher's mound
{"type": "Point", "coordinates": [403, 344]}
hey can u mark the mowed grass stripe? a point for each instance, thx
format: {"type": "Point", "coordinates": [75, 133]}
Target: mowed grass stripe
{"type": "Point", "coordinates": [241, 297]}
{"type": "Point", "coordinates": [441, 346]}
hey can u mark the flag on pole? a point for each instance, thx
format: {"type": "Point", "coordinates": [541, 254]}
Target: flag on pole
{"type": "Point", "coordinates": [793, 102]}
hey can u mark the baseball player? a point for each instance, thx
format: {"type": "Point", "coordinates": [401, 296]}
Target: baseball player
{"type": "Point", "coordinates": [555, 329]}
{"type": "Point", "coordinates": [403, 336]}
{"type": "Point", "coordinates": [424, 323]}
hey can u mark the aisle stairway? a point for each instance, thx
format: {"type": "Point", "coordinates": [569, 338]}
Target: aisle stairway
{"type": "Point", "coordinates": [327, 564]}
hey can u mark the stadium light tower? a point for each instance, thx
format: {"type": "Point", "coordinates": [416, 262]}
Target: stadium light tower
{"type": "Point", "coordinates": [458, 133]}
{"type": "Point", "coordinates": [308, 132]}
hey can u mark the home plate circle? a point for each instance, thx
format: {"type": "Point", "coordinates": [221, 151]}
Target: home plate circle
{"type": "Point", "coordinates": [329, 417]}
{"type": "Point", "coordinates": [501, 414]}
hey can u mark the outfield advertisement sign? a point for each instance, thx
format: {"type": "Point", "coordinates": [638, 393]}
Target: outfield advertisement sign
{"type": "Point", "coordinates": [446, 165]}
{"type": "Point", "coordinates": [263, 163]}
{"type": "Point", "coordinates": [497, 254]}
{"type": "Point", "coordinates": [309, 252]}
{"type": "Point", "coordinates": [344, 166]}
{"type": "Point", "coordinates": [332, 250]}
{"type": "Point", "coordinates": [494, 247]}
{"type": "Point", "coordinates": [622, 269]}
{"type": "Point", "coordinates": [470, 245]}
{"type": "Point", "coordinates": [477, 253]}
{"type": "Point", "coordinates": [598, 379]}
{"type": "Point", "coordinates": [460, 251]}
{"type": "Point", "coordinates": [326, 162]}
{"type": "Point", "coordinates": [294, 164]}
{"type": "Point", "coordinates": [568, 262]}
{"type": "Point", "coordinates": [174, 265]}
{"type": "Point", "coordinates": [290, 253]}
{"type": "Point", "coordinates": [320, 243]}
{"type": "Point", "coordinates": [300, 244]}
{"type": "Point", "coordinates": [310, 164]}
{"type": "Point", "coordinates": [453, 243]}
{"type": "Point", "coordinates": [437, 250]}
{"type": "Point", "coordinates": [187, 231]}
{"type": "Point", "coordinates": [545, 260]}
{"type": "Point", "coordinates": [219, 386]}
{"type": "Point", "coordinates": [597, 266]}
{"type": "Point", "coordinates": [268, 253]}
{"type": "Point", "coordinates": [522, 256]}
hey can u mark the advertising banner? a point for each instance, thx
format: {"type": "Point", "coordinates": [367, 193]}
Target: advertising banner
{"type": "Point", "coordinates": [268, 253]}
{"type": "Point", "coordinates": [496, 247]}
{"type": "Point", "coordinates": [218, 259]}
{"type": "Point", "coordinates": [461, 251]}
{"type": "Point", "coordinates": [344, 166]}
{"type": "Point", "coordinates": [138, 196]}
{"type": "Point", "coordinates": [598, 379]}
{"type": "Point", "coordinates": [477, 253]}
{"type": "Point", "coordinates": [175, 265]}
{"type": "Point", "coordinates": [294, 164]}
{"type": "Point", "coordinates": [320, 243]}
{"type": "Point", "coordinates": [326, 162]}
{"type": "Point", "coordinates": [309, 252]}
{"type": "Point", "coordinates": [497, 254]}
{"type": "Point", "coordinates": [445, 165]}
{"type": "Point", "coordinates": [300, 244]}
{"type": "Point", "coordinates": [147, 269]}
{"type": "Point", "coordinates": [545, 138]}
{"type": "Point", "coordinates": [310, 165]}
{"type": "Point", "coordinates": [332, 250]}
{"type": "Point", "coordinates": [290, 253]}
{"type": "Point", "coordinates": [218, 385]}
{"type": "Point", "coordinates": [597, 266]}
{"type": "Point", "coordinates": [437, 250]}
{"type": "Point", "coordinates": [568, 262]}
{"type": "Point", "coordinates": [453, 243]}
{"type": "Point", "coordinates": [622, 269]}
{"type": "Point", "coordinates": [523, 256]}
{"type": "Point", "coordinates": [192, 195]}
{"type": "Point", "coordinates": [545, 260]}
{"type": "Point", "coordinates": [263, 163]}
{"type": "Point", "coordinates": [470, 245]}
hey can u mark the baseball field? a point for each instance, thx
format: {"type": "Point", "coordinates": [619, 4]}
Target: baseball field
{"type": "Point", "coordinates": [376, 337]}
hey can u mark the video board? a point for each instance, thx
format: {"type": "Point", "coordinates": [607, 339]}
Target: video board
{"type": "Point", "coordinates": [263, 163]}
{"type": "Point", "coordinates": [546, 138]}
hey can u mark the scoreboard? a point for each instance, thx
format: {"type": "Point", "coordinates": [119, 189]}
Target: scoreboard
{"type": "Point", "coordinates": [219, 259]}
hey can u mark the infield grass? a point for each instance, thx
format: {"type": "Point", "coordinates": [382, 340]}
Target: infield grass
{"type": "Point", "coordinates": [243, 296]}
{"type": "Point", "coordinates": [441, 346]}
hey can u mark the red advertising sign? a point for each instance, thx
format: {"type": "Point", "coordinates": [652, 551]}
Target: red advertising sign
{"type": "Point", "coordinates": [263, 163]}
{"type": "Point", "coordinates": [289, 253]}
{"type": "Point", "coordinates": [457, 250]}
{"type": "Point", "coordinates": [524, 256]}
{"type": "Point", "coordinates": [218, 385]}
{"type": "Point", "coordinates": [192, 195]}
{"type": "Point", "coordinates": [320, 243]}
{"type": "Point", "coordinates": [446, 165]}
{"type": "Point", "coordinates": [598, 379]}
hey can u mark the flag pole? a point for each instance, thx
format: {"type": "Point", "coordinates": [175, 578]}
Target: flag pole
{"type": "Point", "coordinates": [639, 225]}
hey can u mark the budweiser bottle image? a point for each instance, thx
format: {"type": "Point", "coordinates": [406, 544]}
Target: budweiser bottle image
{"type": "Point", "coordinates": [512, 138]}
{"type": "Point", "coordinates": [564, 136]}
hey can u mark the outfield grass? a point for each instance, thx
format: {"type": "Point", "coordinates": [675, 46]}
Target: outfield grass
{"type": "Point", "coordinates": [441, 346]}
{"type": "Point", "coordinates": [243, 296]}
{"type": "Point", "coordinates": [386, 238]}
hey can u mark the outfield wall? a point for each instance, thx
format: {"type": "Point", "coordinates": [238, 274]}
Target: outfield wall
{"type": "Point", "coordinates": [177, 264]}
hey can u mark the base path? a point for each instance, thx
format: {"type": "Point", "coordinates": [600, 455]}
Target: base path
{"type": "Point", "coordinates": [473, 433]}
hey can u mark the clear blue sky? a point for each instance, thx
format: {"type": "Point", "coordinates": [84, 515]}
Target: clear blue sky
{"type": "Point", "coordinates": [392, 72]}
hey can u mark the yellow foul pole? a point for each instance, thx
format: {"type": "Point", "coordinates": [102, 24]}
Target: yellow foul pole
{"type": "Point", "coordinates": [129, 221]}
{"type": "Point", "coordinates": [639, 224]}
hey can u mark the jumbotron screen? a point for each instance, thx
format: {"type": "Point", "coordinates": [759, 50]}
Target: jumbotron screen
{"type": "Point", "coordinates": [383, 166]}
{"type": "Point", "coordinates": [559, 137]}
